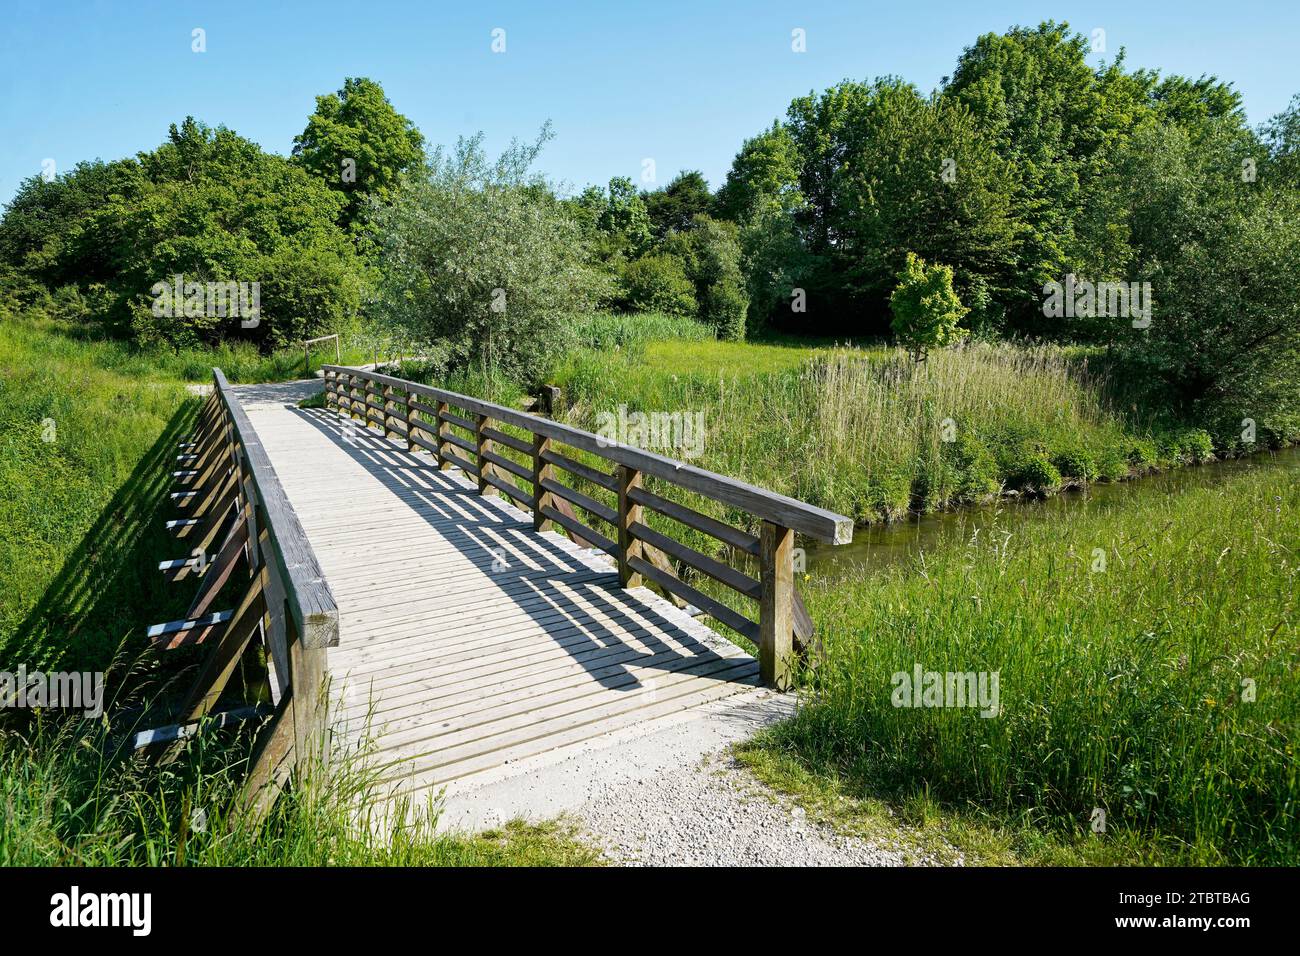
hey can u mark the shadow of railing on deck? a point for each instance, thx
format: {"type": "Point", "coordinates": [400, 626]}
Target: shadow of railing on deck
{"type": "Point", "coordinates": [550, 590]}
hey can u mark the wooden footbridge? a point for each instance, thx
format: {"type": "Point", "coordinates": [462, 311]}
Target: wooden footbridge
{"type": "Point", "coordinates": [456, 585]}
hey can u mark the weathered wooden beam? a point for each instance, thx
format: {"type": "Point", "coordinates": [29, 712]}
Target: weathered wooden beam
{"type": "Point", "coordinates": [484, 447]}
{"type": "Point", "coordinates": [542, 471]}
{"type": "Point", "coordinates": [776, 606]}
{"type": "Point", "coordinates": [213, 676]}
{"type": "Point", "coordinates": [272, 762]}
{"type": "Point", "coordinates": [412, 422]}
{"type": "Point", "coordinates": [189, 631]}
{"type": "Point", "coordinates": [220, 718]}
{"type": "Point", "coordinates": [629, 515]}
{"type": "Point", "coordinates": [220, 569]}
{"type": "Point", "coordinates": [178, 569]}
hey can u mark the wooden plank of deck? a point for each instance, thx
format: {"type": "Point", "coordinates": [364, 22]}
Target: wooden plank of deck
{"type": "Point", "coordinates": [468, 641]}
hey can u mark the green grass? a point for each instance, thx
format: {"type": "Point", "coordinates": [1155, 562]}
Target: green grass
{"type": "Point", "coordinates": [69, 801]}
{"type": "Point", "coordinates": [1120, 689]}
{"type": "Point", "coordinates": [867, 433]}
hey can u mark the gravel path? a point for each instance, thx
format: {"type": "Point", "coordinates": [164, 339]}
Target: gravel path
{"type": "Point", "coordinates": [716, 814]}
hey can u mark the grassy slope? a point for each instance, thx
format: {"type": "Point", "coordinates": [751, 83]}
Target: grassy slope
{"type": "Point", "coordinates": [82, 520]}
{"type": "Point", "coordinates": [1120, 689]}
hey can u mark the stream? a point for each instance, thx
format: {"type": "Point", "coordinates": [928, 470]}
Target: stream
{"type": "Point", "coordinates": [884, 544]}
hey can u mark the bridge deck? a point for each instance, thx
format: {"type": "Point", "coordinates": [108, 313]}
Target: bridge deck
{"type": "Point", "coordinates": [467, 640]}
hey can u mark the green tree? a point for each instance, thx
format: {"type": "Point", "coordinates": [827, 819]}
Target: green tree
{"type": "Point", "coordinates": [927, 312]}
{"type": "Point", "coordinates": [765, 173]}
{"type": "Point", "coordinates": [886, 171]}
{"type": "Point", "coordinates": [672, 208]}
{"type": "Point", "coordinates": [712, 253]}
{"type": "Point", "coordinates": [483, 264]}
{"type": "Point", "coordinates": [1281, 136]}
{"type": "Point", "coordinates": [658, 283]}
{"type": "Point", "coordinates": [624, 217]}
{"type": "Point", "coordinates": [46, 229]}
{"type": "Point", "coordinates": [359, 145]}
{"type": "Point", "coordinates": [1222, 256]}
{"type": "Point", "coordinates": [215, 208]}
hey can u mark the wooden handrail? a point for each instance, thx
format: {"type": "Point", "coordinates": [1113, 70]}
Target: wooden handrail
{"type": "Point", "coordinates": [233, 499]}
{"type": "Point", "coordinates": [788, 512]}
{"type": "Point", "coordinates": [308, 594]}
{"type": "Point", "coordinates": [640, 552]}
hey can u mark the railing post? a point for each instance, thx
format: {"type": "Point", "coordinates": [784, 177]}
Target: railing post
{"type": "Point", "coordinates": [387, 398]}
{"type": "Point", "coordinates": [443, 462]}
{"type": "Point", "coordinates": [412, 416]}
{"type": "Point", "coordinates": [629, 512]}
{"type": "Point", "coordinates": [330, 397]}
{"type": "Point", "coordinates": [541, 470]}
{"type": "Point", "coordinates": [352, 400]}
{"type": "Point", "coordinates": [776, 606]}
{"type": "Point", "coordinates": [484, 444]}
{"type": "Point", "coordinates": [307, 676]}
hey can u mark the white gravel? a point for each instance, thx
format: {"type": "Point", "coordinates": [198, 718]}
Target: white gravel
{"type": "Point", "coordinates": [715, 813]}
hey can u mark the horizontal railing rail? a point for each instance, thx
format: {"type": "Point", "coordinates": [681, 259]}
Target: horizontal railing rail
{"type": "Point", "coordinates": [536, 472]}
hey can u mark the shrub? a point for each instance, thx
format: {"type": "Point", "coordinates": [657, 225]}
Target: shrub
{"type": "Point", "coordinates": [1112, 466]}
{"type": "Point", "coordinates": [483, 262]}
{"type": "Point", "coordinates": [711, 252]}
{"type": "Point", "coordinates": [926, 309]}
{"type": "Point", "coordinates": [658, 283]}
{"type": "Point", "coordinates": [1075, 463]}
{"type": "Point", "coordinates": [1196, 445]}
{"type": "Point", "coordinates": [1142, 452]}
{"type": "Point", "coordinates": [1035, 473]}
{"type": "Point", "coordinates": [725, 307]}
{"type": "Point", "coordinates": [976, 470]}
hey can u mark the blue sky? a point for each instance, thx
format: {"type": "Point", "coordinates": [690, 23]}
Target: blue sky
{"type": "Point", "coordinates": [682, 83]}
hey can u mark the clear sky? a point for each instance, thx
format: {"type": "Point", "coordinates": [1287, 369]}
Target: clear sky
{"type": "Point", "coordinates": [682, 83]}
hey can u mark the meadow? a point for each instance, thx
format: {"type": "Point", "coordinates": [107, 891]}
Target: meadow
{"type": "Point", "coordinates": [868, 432]}
{"type": "Point", "coordinates": [1148, 657]}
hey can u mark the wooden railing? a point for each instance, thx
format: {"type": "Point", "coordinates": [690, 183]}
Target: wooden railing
{"type": "Point", "coordinates": [527, 468]}
{"type": "Point", "coordinates": [235, 515]}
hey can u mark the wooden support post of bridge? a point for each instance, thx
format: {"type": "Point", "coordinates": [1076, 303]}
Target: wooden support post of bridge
{"type": "Point", "coordinates": [629, 513]}
{"type": "Point", "coordinates": [412, 422]}
{"type": "Point", "coordinates": [484, 446]}
{"type": "Point", "coordinates": [443, 461]}
{"type": "Point", "coordinates": [776, 606]}
{"type": "Point", "coordinates": [386, 397]}
{"type": "Point", "coordinates": [542, 471]}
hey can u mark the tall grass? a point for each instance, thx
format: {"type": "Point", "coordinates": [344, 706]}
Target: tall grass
{"type": "Point", "coordinates": [70, 800]}
{"type": "Point", "coordinates": [1164, 689]}
{"type": "Point", "coordinates": [869, 433]}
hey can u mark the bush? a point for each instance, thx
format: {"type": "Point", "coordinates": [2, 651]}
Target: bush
{"type": "Point", "coordinates": [1196, 446]}
{"type": "Point", "coordinates": [1075, 463]}
{"type": "Point", "coordinates": [926, 309]}
{"type": "Point", "coordinates": [725, 307]}
{"type": "Point", "coordinates": [976, 471]}
{"type": "Point", "coordinates": [1142, 453]}
{"type": "Point", "coordinates": [1112, 466]}
{"type": "Point", "coordinates": [482, 262]}
{"type": "Point", "coordinates": [711, 251]}
{"type": "Point", "coordinates": [658, 283]}
{"type": "Point", "coordinates": [1035, 473]}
